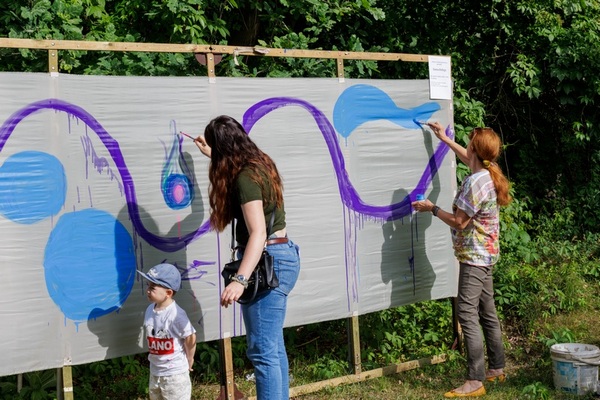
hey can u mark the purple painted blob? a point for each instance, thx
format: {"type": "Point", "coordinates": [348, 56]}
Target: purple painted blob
{"type": "Point", "coordinates": [349, 195]}
{"type": "Point", "coordinates": [169, 244]}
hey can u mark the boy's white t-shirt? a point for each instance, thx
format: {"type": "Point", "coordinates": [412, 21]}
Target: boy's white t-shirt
{"type": "Point", "coordinates": [166, 331]}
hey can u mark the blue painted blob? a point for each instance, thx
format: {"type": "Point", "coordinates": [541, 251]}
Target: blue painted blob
{"type": "Point", "coordinates": [363, 103]}
{"type": "Point", "coordinates": [176, 186]}
{"type": "Point", "coordinates": [89, 264]}
{"type": "Point", "coordinates": [177, 191]}
{"type": "Point", "coordinates": [33, 186]}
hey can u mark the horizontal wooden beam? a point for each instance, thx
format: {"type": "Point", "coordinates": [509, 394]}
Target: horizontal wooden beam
{"type": "Point", "coordinates": [363, 376]}
{"type": "Point", "coordinates": [204, 48]}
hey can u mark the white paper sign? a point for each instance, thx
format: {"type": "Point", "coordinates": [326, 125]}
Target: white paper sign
{"type": "Point", "coordinates": [440, 80]}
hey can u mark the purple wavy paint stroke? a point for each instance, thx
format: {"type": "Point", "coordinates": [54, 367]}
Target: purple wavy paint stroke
{"type": "Point", "coordinates": [349, 195]}
{"type": "Point", "coordinates": [168, 244]}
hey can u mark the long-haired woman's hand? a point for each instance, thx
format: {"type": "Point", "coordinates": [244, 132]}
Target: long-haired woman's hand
{"type": "Point", "coordinates": [231, 294]}
{"type": "Point", "coordinates": [201, 144]}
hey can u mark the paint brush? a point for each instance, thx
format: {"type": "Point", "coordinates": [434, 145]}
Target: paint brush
{"type": "Point", "coordinates": [185, 134]}
{"type": "Point", "coordinates": [419, 123]}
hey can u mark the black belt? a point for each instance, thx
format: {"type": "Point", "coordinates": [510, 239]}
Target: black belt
{"type": "Point", "coordinates": [277, 240]}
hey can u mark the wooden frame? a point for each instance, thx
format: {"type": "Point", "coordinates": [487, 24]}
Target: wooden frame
{"type": "Point", "coordinates": [228, 388]}
{"type": "Point", "coordinates": [206, 49]}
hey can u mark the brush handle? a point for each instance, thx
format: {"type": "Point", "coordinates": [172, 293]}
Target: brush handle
{"type": "Point", "coordinates": [185, 134]}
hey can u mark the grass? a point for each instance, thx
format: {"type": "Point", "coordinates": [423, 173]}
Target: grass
{"type": "Point", "coordinates": [428, 383]}
{"type": "Point", "coordinates": [529, 369]}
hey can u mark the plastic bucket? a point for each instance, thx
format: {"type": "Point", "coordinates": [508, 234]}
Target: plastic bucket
{"type": "Point", "coordinates": [575, 367]}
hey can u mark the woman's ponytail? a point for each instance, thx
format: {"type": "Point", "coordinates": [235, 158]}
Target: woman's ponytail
{"type": "Point", "coordinates": [487, 145]}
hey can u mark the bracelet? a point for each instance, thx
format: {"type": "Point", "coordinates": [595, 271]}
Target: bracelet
{"type": "Point", "coordinates": [435, 210]}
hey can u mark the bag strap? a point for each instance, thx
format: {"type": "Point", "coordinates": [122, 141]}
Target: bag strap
{"type": "Point", "coordinates": [233, 246]}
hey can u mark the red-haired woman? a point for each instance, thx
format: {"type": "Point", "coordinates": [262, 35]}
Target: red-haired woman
{"type": "Point", "coordinates": [245, 185]}
{"type": "Point", "coordinates": [474, 222]}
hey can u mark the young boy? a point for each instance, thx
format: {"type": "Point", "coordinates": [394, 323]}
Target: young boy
{"type": "Point", "coordinates": [171, 336]}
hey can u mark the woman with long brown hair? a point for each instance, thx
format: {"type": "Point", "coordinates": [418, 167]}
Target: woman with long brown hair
{"type": "Point", "coordinates": [475, 226]}
{"type": "Point", "coordinates": [246, 186]}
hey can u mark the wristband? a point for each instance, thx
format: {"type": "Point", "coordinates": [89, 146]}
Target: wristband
{"type": "Point", "coordinates": [435, 210]}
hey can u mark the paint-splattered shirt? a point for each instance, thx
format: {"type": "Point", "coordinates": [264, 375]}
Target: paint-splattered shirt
{"type": "Point", "coordinates": [477, 244]}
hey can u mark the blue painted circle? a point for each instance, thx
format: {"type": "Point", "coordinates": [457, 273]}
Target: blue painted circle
{"type": "Point", "coordinates": [178, 191]}
{"type": "Point", "coordinates": [89, 264]}
{"type": "Point", "coordinates": [33, 187]}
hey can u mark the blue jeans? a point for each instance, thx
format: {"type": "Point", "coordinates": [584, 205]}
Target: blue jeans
{"type": "Point", "coordinates": [263, 319]}
{"type": "Point", "coordinates": [477, 311]}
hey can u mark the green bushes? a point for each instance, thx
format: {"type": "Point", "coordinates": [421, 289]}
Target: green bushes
{"type": "Point", "coordinates": [387, 337]}
{"type": "Point", "coordinates": [549, 274]}
{"type": "Point", "coordinates": [124, 377]}
{"type": "Point", "coordinates": [526, 292]}
{"type": "Point", "coordinates": [405, 333]}
{"type": "Point", "coordinates": [38, 385]}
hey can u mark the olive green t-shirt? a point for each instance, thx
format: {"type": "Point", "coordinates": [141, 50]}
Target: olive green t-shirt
{"type": "Point", "coordinates": [247, 190]}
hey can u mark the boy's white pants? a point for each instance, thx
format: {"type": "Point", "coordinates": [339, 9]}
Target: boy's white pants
{"type": "Point", "coordinates": [173, 387]}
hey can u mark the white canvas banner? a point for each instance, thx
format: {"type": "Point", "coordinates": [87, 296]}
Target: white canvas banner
{"type": "Point", "coordinates": [96, 182]}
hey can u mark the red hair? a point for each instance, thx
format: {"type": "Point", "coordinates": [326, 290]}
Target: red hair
{"type": "Point", "coordinates": [486, 144]}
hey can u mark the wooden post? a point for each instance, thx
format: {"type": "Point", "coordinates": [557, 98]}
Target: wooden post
{"type": "Point", "coordinates": [340, 69]}
{"type": "Point", "coordinates": [64, 383]}
{"type": "Point", "coordinates": [64, 375]}
{"type": "Point", "coordinates": [210, 66]}
{"type": "Point", "coordinates": [354, 344]}
{"type": "Point", "coordinates": [53, 61]}
{"type": "Point", "coordinates": [229, 390]}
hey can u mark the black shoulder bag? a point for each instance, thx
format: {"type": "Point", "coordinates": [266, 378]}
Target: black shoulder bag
{"type": "Point", "coordinates": [263, 277]}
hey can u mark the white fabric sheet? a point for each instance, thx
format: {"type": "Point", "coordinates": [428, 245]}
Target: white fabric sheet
{"type": "Point", "coordinates": [96, 183]}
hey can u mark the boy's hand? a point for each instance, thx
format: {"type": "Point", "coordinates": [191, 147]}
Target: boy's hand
{"type": "Point", "coordinates": [190, 349]}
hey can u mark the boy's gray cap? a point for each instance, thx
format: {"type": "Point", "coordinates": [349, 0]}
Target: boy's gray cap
{"type": "Point", "coordinates": [166, 275]}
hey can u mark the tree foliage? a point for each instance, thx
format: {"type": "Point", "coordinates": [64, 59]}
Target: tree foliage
{"type": "Point", "coordinates": [528, 68]}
